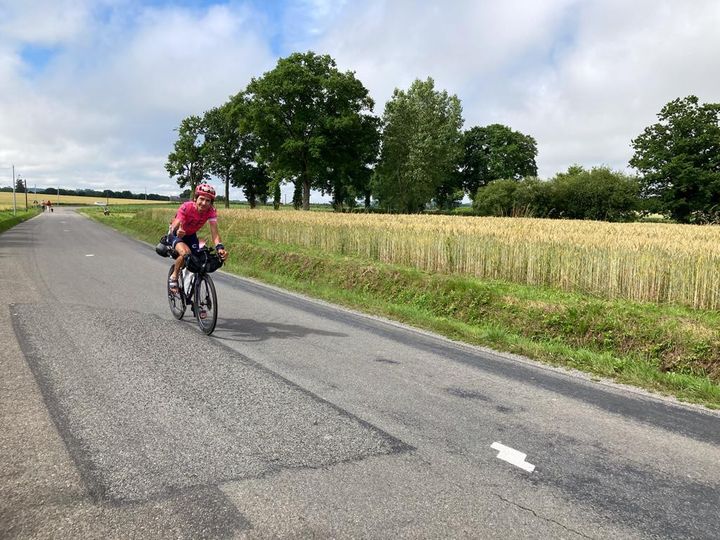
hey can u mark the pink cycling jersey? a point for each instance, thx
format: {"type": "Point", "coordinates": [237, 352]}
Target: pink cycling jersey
{"type": "Point", "coordinates": [191, 219]}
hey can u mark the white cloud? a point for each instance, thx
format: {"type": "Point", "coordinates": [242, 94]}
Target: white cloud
{"type": "Point", "coordinates": [45, 22]}
{"type": "Point", "coordinates": [627, 61]}
{"type": "Point", "coordinates": [466, 46]}
{"type": "Point", "coordinates": [583, 77]}
{"type": "Point", "coordinates": [117, 91]}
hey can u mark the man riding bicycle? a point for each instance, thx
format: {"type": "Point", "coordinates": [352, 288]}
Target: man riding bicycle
{"type": "Point", "coordinates": [190, 218]}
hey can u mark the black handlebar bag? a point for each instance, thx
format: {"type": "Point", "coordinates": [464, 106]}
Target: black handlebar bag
{"type": "Point", "coordinates": [203, 260]}
{"type": "Point", "coordinates": [163, 248]}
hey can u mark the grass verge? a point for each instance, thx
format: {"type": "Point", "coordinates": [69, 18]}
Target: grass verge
{"type": "Point", "coordinates": [8, 220]}
{"type": "Point", "coordinates": [667, 349]}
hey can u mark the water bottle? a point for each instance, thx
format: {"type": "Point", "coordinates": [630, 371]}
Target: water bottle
{"type": "Point", "coordinates": [187, 279]}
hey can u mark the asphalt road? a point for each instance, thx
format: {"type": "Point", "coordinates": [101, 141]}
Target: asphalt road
{"type": "Point", "coordinates": [297, 419]}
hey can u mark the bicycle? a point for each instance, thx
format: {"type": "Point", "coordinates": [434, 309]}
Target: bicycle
{"type": "Point", "coordinates": [195, 286]}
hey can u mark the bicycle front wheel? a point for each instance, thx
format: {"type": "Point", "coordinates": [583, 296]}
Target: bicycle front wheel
{"type": "Point", "coordinates": [176, 299]}
{"type": "Point", "coordinates": [205, 304]}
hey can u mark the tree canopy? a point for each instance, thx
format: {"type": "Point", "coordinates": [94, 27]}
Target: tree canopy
{"type": "Point", "coordinates": [679, 160]}
{"type": "Point", "coordinates": [188, 162]}
{"type": "Point", "coordinates": [420, 146]}
{"type": "Point", "coordinates": [223, 146]}
{"type": "Point", "coordinates": [311, 121]}
{"type": "Point", "coordinates": [495, 152]}
{"type": "Point", "coordinates": [599, 194]}
{"type": "Point", "coordinates": [527, 197]}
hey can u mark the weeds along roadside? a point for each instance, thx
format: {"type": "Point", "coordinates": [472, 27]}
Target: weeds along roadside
{"type": "Point", "coordinates": [8, 219]}
{"type": "Point", "coordinates": [668, 349]}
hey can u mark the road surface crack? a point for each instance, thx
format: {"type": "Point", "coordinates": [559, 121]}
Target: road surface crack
{"type": "Point", "coordinates": [534, 513]}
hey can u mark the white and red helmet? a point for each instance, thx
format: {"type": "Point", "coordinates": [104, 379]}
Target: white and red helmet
{"type": "Point", "coordinates": [206, 190]}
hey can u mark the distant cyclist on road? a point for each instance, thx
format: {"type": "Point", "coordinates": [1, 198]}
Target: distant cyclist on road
{"type": "Point", "coordinates": [190, 218]}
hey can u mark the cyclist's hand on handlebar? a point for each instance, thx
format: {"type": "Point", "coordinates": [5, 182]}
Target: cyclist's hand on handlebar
{"type": "Point", "coordinates": [223, 254]}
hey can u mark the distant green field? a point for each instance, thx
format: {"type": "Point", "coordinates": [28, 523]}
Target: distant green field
{"type": "Point", "coordinates": [35, 199]}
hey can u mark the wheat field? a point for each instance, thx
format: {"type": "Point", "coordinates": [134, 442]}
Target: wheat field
{"type": "Point", "coordinates": [6, 200]}
{"type": "Point", "coordinates": [662, 263]}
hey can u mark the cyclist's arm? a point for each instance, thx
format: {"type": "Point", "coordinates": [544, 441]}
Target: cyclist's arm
{"type": "Point", "coordinates": [216, 238]}
{"type": "Point", "coordinates": [176, 225]}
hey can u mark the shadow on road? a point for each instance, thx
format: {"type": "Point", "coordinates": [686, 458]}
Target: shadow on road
{"type": "Point", "coordinates": [252, 330]}
{"type": "Point", "coordinates": [21, 237]}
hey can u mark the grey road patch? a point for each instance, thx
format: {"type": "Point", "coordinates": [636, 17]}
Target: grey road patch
{"type": "Point", "coordinates": [697, 424]}
{"type": "Point", "coordinates": [467, 394]}
{"type": "Point", "coordinates": [149, 407]}
{"type": "Point", "coordinates": [593, 478]}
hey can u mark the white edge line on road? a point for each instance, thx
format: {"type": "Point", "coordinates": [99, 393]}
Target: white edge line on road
{"type": "Point", "coordinates": [90, 255]}
{"type": "Point", "coordinates": [512, 456]}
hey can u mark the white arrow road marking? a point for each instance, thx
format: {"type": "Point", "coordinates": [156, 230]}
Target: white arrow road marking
{"type": "Point", "coordinates": [512, 456]}
{"type": "Point", "coordinates": [90, 255]}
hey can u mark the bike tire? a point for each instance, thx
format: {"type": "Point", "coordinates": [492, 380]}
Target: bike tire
{"type": "Point", "coordinates": [176, 300]}
{"type": "Point", "coordinates": [205, 303]}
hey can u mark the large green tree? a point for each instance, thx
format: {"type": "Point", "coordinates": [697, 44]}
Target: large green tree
{"type": "Point", "coordinates": [231, 151]}
{"type": "Point", "coordinates": [348, 179]}
{"type": "Point", "coordinates": [495, 152]}
{"type": "Point", "coordinates": [188, 161]}
{"type": "Point", "coordinates": [420, 146]}
{"type": "Point", "coordinates": [308, 117]}
{"type": "Point", "coordinates": [223, 146]}
{"type": "Point", "coordinates": [679, 159]}
{"type": "Point", "coordinates": [255, 181]}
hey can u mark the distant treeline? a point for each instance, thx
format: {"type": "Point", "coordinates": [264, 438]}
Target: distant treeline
{"type": "Point", "coordinates": [90, 193]}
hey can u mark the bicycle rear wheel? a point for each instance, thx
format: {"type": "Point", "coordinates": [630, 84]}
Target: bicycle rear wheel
{"type": "Point", "coordinates": [176, 299]}
{"type": "Point", "coordinates": [205, 303]}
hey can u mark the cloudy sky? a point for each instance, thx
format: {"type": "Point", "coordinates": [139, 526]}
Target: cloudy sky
{"type": "Point", "coordinates": [91, 91]}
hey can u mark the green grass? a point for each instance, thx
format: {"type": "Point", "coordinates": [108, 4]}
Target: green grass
{"type": "Point", "coordinates": [667, 349]}
{"type": "Point", "coordinates": [8, 220]}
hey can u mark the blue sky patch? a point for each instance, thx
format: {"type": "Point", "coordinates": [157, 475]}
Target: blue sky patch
{"type": "Point", "coordinates": [37, 57]}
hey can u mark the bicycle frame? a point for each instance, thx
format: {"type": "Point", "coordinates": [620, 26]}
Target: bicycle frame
{"type": "Point", "coordinates": [200, 294]}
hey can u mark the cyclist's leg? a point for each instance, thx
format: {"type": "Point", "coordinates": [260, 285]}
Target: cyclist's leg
{"type": "Point", "coordinates": [182, 250]}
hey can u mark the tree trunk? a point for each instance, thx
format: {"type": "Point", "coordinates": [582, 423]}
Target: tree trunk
{"type": "Point", "coordinates": [297, 195]}
{"type": "Point", "coordinates": [227, 188]}
{"type": "Point", "coordinates": [305, 179]}
{"type": "Point", "coordinates": [306, 193]}
{"type": "Point", "coordinates": [276, 196]}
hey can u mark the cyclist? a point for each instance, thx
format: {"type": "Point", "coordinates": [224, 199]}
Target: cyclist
{"type": "Point", "coordinates": [190, 218]}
